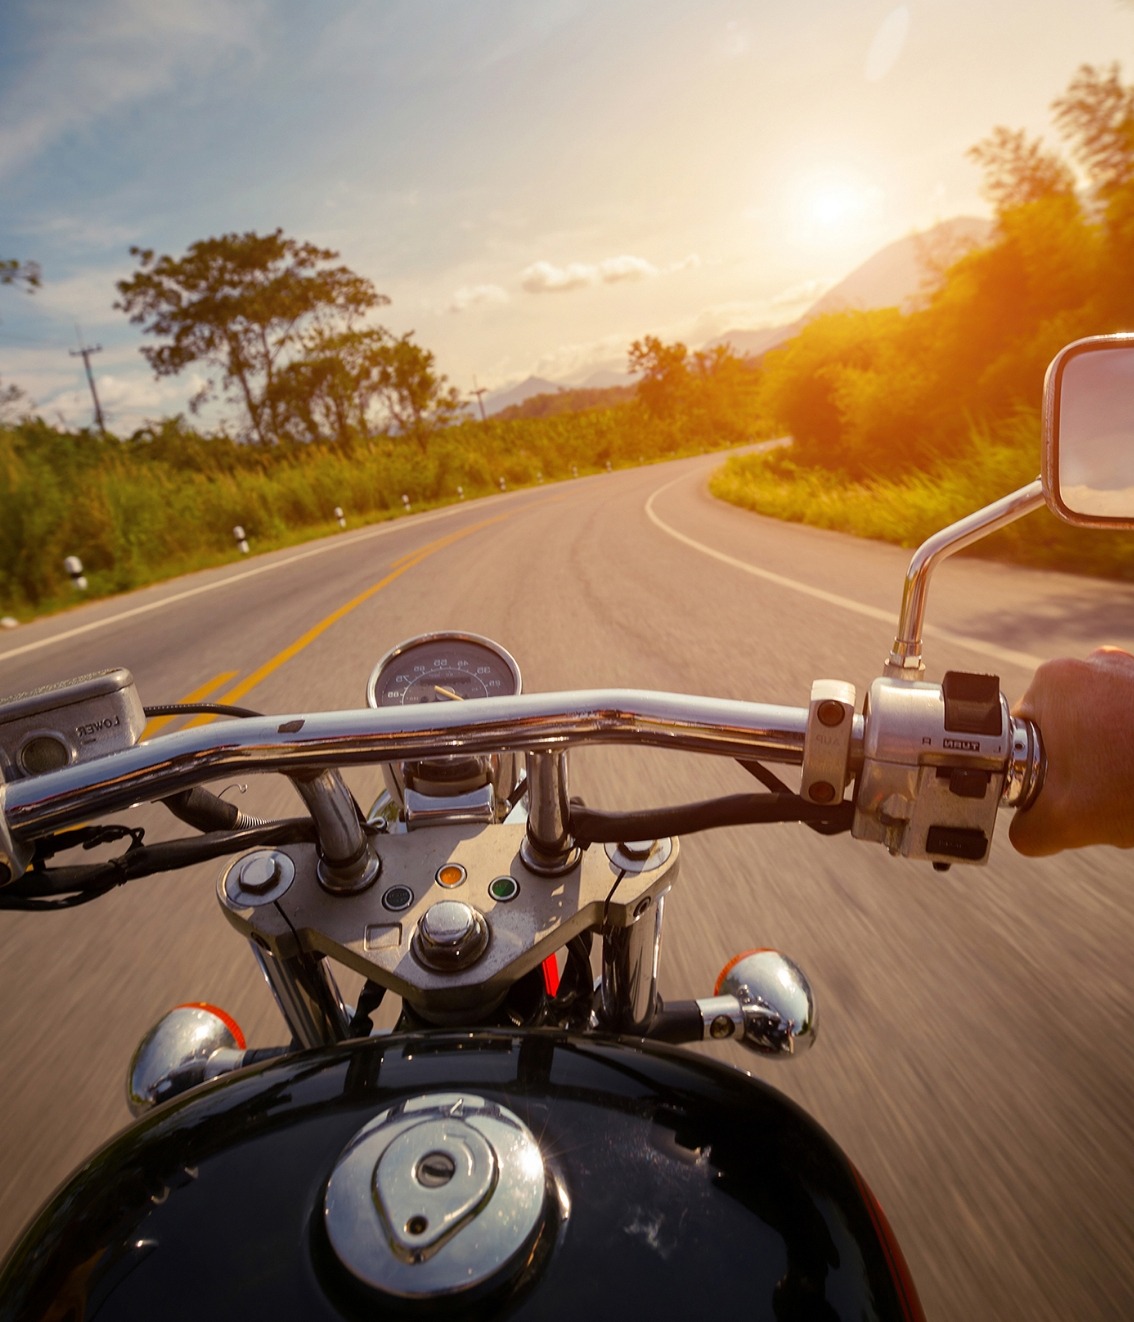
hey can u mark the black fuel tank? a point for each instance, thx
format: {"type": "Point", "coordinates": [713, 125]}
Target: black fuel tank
{"type": "Point", "coordinates": [675, 1187]}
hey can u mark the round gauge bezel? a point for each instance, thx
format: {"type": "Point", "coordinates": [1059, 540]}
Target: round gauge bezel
{"type": "Point", "coordinates": [440, 638]}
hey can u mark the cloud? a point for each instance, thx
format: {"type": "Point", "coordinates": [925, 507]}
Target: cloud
{"type": "Point", "coordinates": [473, 295]}
{"type": "Point", "coordinates": [615, 269]}
{"type": "Point", "coordinates": [87, 297]}
{"type": "Point", "coordinates": [544, 278]}
{"type": "Point", "coordinates": [567, 360]}
{"type": "Point", "coordinates": [85, 62]}
{"type": "Point", "coordinates": [547, 278]}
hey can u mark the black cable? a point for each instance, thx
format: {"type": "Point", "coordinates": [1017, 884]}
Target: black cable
{"type": "Point", "coordinates": [206, 811]}
{"type": "Point", "coordinates": [590, 826]}
{"type": "Point", "coordinates": [518, 793]}
{"type": "Point", "coordinates": [197, 709]}
{"type": "Point", "coordinates": [369, 999]}
{"type": "Point", "coordinates": [771, 781]}
{"type": "Point", "coordinates": [63, 888]}
{"type": "Point", "coordinates": [767, 778]}
{"type": "Point", "coordinates": [610, 894]}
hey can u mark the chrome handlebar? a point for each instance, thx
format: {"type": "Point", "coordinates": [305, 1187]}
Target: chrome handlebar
{"type": "Point", "coordinates": [293, 745]}
{"type": "Point", "coordinates": [543, 726]}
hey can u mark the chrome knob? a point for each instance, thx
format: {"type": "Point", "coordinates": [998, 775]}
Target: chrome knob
{"type": "Point", "coordinates": [450, 936]}
{"type": "Point", "coordinates": [260, 872]}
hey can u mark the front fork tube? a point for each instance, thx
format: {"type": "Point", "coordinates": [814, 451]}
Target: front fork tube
{"type": "Point", "coordinates": [629, 989]}
{"type": "Point", "coordinates": [308, 998]}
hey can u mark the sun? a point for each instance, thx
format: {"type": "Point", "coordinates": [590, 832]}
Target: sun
{"type": "Point", "coordinates": [834, 204]}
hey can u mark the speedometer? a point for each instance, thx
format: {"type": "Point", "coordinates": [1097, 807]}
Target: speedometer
{"type": "Point", "coordinates": [443, 667]}
{"type": "Point", "coordinates": [447, 667]}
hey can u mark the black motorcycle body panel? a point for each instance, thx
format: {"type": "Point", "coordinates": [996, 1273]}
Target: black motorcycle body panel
{"type": "Point", "coordinates": [681, 1187]}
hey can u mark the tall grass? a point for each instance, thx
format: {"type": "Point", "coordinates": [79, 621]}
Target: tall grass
{"type": "Point", "coordinates": [167, 501]}
{"type": "Point", "coordinates": [908, 509]}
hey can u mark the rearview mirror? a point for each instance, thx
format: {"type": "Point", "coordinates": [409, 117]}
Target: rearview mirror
{"type": "Point", "coordinates": [1088, 432]}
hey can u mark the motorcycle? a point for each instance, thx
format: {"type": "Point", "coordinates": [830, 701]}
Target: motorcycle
{"type": "Point", "coordinates": [531, 1110]}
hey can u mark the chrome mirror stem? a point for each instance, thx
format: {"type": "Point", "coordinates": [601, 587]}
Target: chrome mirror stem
{"type": "Point", "coordinates": [905, 660]}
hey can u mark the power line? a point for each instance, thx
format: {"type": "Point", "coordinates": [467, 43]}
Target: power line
{"type": "Point", "coordinates": [479, 392]}
{"type": "Point", "coordinates": [84, 352]}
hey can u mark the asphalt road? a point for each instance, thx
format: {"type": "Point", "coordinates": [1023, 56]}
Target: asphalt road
{"type": "Point", "coordinates": [975, 1054]}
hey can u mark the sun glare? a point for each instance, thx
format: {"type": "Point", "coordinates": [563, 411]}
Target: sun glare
{"type": "Point", "coordinates": [833, 204]}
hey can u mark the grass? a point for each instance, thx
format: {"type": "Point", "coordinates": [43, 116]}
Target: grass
{"type": "Point", "coordinates": [907, 509]}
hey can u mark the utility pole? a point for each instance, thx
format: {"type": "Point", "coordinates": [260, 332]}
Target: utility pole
{"type": "Point", "coordinates": [84, 352]}
{"type": "Point", "coordinates": [479, 392]}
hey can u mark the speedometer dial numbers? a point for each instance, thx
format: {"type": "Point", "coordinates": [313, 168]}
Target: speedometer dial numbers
{"type": "Point", "coordinates": [443, 667]}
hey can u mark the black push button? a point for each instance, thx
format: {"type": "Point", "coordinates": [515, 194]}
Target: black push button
{"type": "Point", "coordinates": [968, 782]}
{"type": "Point", "coordinates": [972, 703]}
{"type": "Point", "coordinates": [965, 842]}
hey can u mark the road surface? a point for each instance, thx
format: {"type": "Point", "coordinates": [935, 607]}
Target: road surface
{"type": "Point", "coordinates": [974, 1056]}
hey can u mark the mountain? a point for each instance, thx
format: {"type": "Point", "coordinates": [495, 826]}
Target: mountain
{"type": "Point", "coordinates": [603, 378]}
{"type": "Point", "coordinates": [495, 401]}
{"type": "Point", "coordinates": [896, 276]}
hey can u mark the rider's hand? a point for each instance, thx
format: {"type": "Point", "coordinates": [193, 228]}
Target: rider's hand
{"type": "Point", "coordinates": [1085, 714]}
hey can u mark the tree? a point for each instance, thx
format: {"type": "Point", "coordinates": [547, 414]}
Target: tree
{"type": "Point", "coordinates": [1097, 112]}
{"type": "Point", "coordinates": [417, 399]}
{"type": "Point", "coordinates": [348, 383]}
{"type": "Point", "coordinates": [13, 272]}
{"type": "Point", "coordinates": [325, 393]}
{"type": "Point", "coordinates": [664, 374]}
{"type": "Point", "coordinates": [1018, 172]}
{"type": "Point", "coordinates": [242, 303]}
{"type": "Point", "coordinates": [815, 384]}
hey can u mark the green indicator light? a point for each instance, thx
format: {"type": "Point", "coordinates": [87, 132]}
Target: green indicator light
{"type": "Point", "coordinates": [504, 889]}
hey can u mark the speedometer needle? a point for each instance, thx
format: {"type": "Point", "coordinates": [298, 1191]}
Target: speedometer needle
{"type": "Point", "coordinates": [447, 693]}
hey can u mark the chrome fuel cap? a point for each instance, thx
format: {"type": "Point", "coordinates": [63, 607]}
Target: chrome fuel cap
{"type": "Point", "coordinates": [436, 1196]}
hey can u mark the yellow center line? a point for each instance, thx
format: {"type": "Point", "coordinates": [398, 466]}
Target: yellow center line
{"type": "Point", "coordinates": [403, 563]}
{"type": "Point", "coordinates": [198, 695]}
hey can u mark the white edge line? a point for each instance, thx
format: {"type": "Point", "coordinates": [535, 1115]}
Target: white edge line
{"type": "Point", "coordinates": [331, 544]}
{"type": "Point", "coordinates": [1022, 659]}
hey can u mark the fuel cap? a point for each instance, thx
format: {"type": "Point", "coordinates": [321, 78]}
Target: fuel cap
{"type": "Point", "coordinates": [436, 1197]}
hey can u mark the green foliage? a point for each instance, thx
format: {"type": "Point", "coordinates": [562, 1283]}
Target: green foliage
{"type": "Point", "coordinates": [166, 499]}
{"type": "Point", "coordinates": [891, 413]}
{"type": "Point", "coordinates": [909, 508]}
{"type": "Point", "coordinates": [13, 272]}
{"type": "Point", "coordinates": [242, 303]}
{"type": "Point", "coordinates": [711, 393]}
{"type": "Point", "coordinates": [568, 401]}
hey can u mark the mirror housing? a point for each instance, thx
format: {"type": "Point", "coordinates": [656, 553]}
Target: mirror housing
{"type": "Point", "coordinates": [1088, 432]}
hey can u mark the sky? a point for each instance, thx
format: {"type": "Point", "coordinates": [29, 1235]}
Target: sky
{"type": "Point", "coordinates": [533, 183]}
